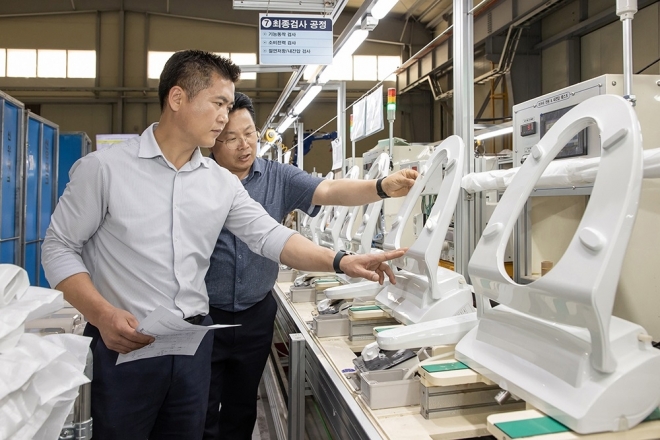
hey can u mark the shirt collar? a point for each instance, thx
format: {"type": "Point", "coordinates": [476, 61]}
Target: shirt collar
{"type": "Point", "coordinates": [256, 168]}
{"type": "Point", "coordinates": [149, 149]}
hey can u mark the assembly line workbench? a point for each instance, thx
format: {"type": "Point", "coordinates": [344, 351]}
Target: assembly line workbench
{"type": "Point", "coordinates": [321, 361]}
{"type": "Point", "coordinates": [343, 407]}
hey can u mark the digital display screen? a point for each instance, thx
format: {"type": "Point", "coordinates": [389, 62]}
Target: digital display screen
{"type": "Point", "coordinates": [577, 146]}
{"type": "Point", "coordinates": [528, 129]}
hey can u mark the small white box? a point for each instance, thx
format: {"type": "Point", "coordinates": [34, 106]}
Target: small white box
{"type": "Point", "coordinates": [302, 294]}
{"type": "Point", "coordinates": [388, 389]}
{"type": "Point", "coordinates": [287, 275]}
{"type": "Point", "coordinates": [330, 325]}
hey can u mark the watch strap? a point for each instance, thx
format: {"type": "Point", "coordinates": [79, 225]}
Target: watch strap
{"type": "Point", "coordinates": [379, 189]}
{"type": "Point", "coordinates": [335, 262]}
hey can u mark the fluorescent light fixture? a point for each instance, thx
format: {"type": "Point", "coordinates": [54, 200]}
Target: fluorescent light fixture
{"type": "Point", "coordinates": [351, 45]}
{"type": "Point", "coordinates": [324, 77]}
{"type": "Point", "coordinates": [306, 99]}
{"type": "Point", "coordinates": [309, 71]}
{"type": "Point", "coordinates": [285, 6]}
{"type": "Point", "coordinates": [492, 134]}
{"type": "Point", "coordinates": [382, 7]}
{"type": "Point", "coordinates": [264, 149]}
{"type": "Point", "coordinates": [285, 124]}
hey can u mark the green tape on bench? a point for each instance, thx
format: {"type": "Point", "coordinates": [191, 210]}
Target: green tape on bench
{"type": "Point", "coordinates": [378, 330]}
{"type": "Point", "coordinates": [531, 427]}
{"type": "Point", "coordinates": [546, 425]}
{"type": "Point", "coordinates": [364, 308]}
{"type": "Point", "coordinates": [449, 366]}
{"type": "Point", "coordinates": [655, 415]}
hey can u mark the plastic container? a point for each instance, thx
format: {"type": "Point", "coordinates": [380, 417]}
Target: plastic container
{"type": "Point", "coordinates": [388, 389]}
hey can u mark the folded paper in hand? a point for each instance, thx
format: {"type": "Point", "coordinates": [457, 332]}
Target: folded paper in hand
{"type": "Point", "coordinates": [173, 335]}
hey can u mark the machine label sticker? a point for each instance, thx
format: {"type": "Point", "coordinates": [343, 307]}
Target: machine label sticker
{"type": "Point", "coordinates": [553, 99]}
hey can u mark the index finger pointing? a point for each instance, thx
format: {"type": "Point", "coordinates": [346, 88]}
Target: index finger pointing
{"type": "Point", "coordinates": [394, 254]}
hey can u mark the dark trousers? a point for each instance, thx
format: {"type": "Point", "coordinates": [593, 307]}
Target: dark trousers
{"type": "Point", "coordinates": [157, 398]}
{"type": "Point", "coordinates": [239, 358]}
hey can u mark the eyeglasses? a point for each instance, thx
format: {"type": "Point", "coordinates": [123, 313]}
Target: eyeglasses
{"type": "Point", "coordinates": [232, 143]}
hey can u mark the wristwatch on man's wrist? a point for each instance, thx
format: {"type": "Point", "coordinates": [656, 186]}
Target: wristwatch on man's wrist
{"type": "Point", "coordinates": [379, 189]}
{"type": "Point", "coordinates": [338, 257]}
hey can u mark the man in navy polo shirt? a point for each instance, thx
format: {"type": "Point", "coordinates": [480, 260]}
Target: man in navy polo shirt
{"type": "Point", "coordinates": [239, 281]}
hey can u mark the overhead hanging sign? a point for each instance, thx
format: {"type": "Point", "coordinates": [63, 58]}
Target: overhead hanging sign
{"type": "Point", "coordinates": [295, 39]}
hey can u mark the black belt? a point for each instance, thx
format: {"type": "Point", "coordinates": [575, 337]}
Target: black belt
{"type": "Point", "coordinates": [195, 320]}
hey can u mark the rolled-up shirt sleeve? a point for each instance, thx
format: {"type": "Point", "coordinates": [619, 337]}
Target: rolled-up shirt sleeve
{"type": "Point", "coordinates": [78, 215]}
{"type": "Point", "coordinates": [248, 221]}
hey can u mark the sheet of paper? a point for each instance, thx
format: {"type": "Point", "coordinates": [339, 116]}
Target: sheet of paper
{"type": "Point", "coordinates": [173, 335]}
{"type": "Point", "coordinates": [337, 159]}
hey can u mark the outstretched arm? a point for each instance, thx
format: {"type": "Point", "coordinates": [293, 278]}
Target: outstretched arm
{"type": "Point", "coordinates": [353, 192]}
{"type": "Point", "coordinates": [302, 254]}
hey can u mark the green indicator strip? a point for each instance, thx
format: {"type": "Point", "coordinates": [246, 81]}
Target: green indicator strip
{"type": "Point", "coordinates": [382, 329]}
{"type": "Point", "coordinates": [531, 427]}
{"type": "Point", "coordinates": [545, 425]}
{"type": "Point", "coordinates": [449, 366]}
{"type": "Point", "coordinates": [364, 308]}
{"type": "Point", "coordinates": [655, 415]}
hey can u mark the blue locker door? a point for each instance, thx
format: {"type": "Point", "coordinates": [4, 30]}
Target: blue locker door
{"type": "Point", "coordinates": [31, 251]}
{"type": "Point", "coordinates": [9, 232]}
{"type": "Point", "coordinates": [70, 150]}
{"type": "Point", "coordinates": [47, 190]}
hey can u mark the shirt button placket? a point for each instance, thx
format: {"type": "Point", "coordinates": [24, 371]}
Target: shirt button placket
{"type": "Point", "coordinates": [176, 223]}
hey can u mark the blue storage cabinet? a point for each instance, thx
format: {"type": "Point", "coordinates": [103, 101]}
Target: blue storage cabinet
{"type": "Point", "coordinates": [73, 146]}
{"type": "Point", "coordinates": [40, 182]}
{"type": "Point", "coordinates": [11, 141]}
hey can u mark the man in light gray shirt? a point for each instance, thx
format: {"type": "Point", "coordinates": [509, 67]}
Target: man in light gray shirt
{"type": "Point", "coordinates": [134, 230]}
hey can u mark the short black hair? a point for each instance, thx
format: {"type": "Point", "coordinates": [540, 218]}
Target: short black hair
{"type": "Point", "coordinates": [192, 71]}
{"type": "Point", "coordinates": [241, 100]}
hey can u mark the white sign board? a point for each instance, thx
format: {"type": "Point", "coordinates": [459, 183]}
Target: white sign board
{"type": "Point", "coordinates": [295, 39]}
{"type": "Point", "coordinates": [375, 121]}
{"type": "Point", "coordinates": [359, 120]}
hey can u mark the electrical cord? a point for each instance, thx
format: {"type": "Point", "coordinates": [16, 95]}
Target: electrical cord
{"type": "Point", "coordinates": [647, 66]}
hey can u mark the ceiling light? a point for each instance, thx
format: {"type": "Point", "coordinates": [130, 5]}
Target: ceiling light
{"type": "Point", "coordinates": [306, 99]}
{"type": "Point", "coordinates": [264, 149]}
{"type": "Point", "coordinates": [381, 8]}
{"type": "Point", "coordinates": [492, 134]}
{"type": "Point", "coordinates": [351, 45]}
{"type": "Point", "coordinates": [309, 71]}
{"type": "Point", "coordinates": [285, 124]}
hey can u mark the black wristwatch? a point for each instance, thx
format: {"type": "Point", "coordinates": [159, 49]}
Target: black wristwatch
{"type": "Point", "coordinates": [379, 189]}
{"type": "Point", "coordinates": [338, 257]}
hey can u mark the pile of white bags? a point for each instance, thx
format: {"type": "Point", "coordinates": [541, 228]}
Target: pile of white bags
{"type": "Point", "coordinates": [39, 376]}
